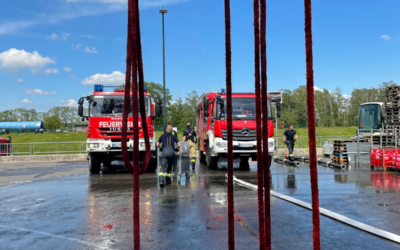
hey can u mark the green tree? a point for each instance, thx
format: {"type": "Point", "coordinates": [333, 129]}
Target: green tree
{"type": "Point", "coordinates": [52, 122]}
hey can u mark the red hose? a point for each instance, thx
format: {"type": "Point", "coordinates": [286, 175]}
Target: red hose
{"type": "Point", "coordinates": [266, 158]}
{"type": "Point", "coordinates": [311, 124]}
{"type": "Point", "coordinates": [131, 75]}
{"type": "Point", "coordinates": [261, 221]}
{"type": "Point", "coordinates": [228, 55]}
{"type": "Point", "coordinates": [147, 153]}
{"type": "Point", "coordinates": [125, 112]}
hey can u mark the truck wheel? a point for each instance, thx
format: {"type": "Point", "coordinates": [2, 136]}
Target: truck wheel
{"type": "Point", "coordinates": [202, 157]}
{"type": "Point", "coordinates": [94, 164]}
{"type": "Point", "coordinates": [211, 160]}
{"type": "Point", "coordinates": [107, 162]}
{"type": "Point", "coordinates": [244, 164]}
{"type": "Point", "coordinates": [152, 166]}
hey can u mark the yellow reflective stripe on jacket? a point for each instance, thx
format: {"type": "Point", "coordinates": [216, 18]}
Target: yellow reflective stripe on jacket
{"type": "Point", "coordinates": [169, 175]}
{"type": "Point", "coordinates": [160, 174]}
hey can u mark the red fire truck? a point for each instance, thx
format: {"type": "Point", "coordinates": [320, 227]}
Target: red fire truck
{"type": "Point", "coordinates": [5, 147]}
{"type": "Point", "coordinates": [105, 125]}
{"type": "Point", "coordinates": [212, 127]}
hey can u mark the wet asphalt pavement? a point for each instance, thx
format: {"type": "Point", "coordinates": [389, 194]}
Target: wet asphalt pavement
{"type": "Point", "coordinates": [61, 206]}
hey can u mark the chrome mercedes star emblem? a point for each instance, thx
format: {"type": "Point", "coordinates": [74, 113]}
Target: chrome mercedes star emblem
{"type": "Point", "coordinates": [245, 131]}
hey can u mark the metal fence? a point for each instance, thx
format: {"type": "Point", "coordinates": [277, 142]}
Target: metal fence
{"type": "Point", "coordinates": [302, 141]}
{"type": "Point", "coordinates": [43, 148]}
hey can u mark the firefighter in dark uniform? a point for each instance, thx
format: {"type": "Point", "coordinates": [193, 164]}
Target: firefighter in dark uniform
{"type": "Point", "coordinates": [191, 136]}
{"type": "Point", "coordinates": [173, 131]}
{"type": "Point", "coordinates": [289, 138]}
{"type": "Point", "coordinates": [168, 141]}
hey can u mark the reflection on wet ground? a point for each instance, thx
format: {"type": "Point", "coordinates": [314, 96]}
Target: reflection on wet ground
{"type": "Point", "coordinates": [95, 212]}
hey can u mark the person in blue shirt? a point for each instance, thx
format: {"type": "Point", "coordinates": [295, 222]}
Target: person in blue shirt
{"type": "Point", "coordinates": [168, 141]}
{"type": "Point", "coordinates": [290, 137]}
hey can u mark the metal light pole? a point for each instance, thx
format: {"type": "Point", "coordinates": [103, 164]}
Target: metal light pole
{"type": "Point", "coordinates": [163, 11]}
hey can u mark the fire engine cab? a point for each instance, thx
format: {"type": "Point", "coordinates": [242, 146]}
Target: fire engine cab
{"type": "Point", "coordinates": [105, 125]}
{"type": "Point", "coordinates": [212, 128]}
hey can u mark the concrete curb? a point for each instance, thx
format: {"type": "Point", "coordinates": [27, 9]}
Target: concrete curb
{"type": "Point", "coordinates": [43, 158]}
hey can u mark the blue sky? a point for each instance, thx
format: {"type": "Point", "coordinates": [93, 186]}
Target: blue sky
{"type": "Point", "coordinates": [53, 51]}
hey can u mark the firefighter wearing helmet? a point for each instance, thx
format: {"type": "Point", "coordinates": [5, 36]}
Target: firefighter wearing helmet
{"type": "Point", "coordinates": [289, 138]}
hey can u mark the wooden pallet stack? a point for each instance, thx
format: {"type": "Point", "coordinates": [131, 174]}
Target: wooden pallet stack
{"type": "Point", "coordinates": [340, 152]}
{"type": "Point", "coordinates": [392, 119]}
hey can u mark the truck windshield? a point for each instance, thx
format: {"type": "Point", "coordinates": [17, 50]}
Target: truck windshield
{"type": "Point", "coordinates": [113, 106]}
{"type": "Point", "coordinates": [244, 109]}
{"type": "Point", "coordinates": [370, 116]}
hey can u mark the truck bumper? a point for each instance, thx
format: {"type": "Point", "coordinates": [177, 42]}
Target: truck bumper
{"type": "Point", "coordinates": [99, 145]}
{"type": "Point", "coordinates": [243, 148]}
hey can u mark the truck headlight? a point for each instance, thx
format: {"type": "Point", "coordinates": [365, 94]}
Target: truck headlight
{"type": "Point", "coordinates": [271, 144]}
{"type": "Point", "coordinates": [93, 145]}
{"type": "Point", "coordinates": [220, 144]}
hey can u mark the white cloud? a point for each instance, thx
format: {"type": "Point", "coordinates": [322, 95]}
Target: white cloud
{"type": "Point", "coordinates": [116, 77]}
{"type": "Point", "coordinates": [69, 103]}
{"type": "Point", "coordinates": [65, 36]}
{"type": "Point", "coordinates": [53, 36]}
{"type": "Point", "coordinates": [78, 46]}
{"type": "Point", "coordinates": [20, 80]}
{"type": "Point", "coordinates": [347, 96]}
{"type": "Point", "coordinates": [38, 92]}
{"type": "Point", "coordinates": [26, 101]}
{"type": "Point", "coordinates": [89, 36]}
{"type": "Point", "coordinates": [50, 71]}
{"type": "Point", "coordinates": [72, 9]}
{"type": "Point", "coordinates": [14, 61]}
{"type": "Point", "coordinates": [73, 78]}
{"type": "Point", "coordinates": [67, 69]}
{"type": "Point", "coordinates": [317, 89]}
{"type": "Point", "coordinates": [86, 49]}
{"type": "Point", "coordinates": [90, 50]}
{"type": "Point", "coordinates": [385, 37]}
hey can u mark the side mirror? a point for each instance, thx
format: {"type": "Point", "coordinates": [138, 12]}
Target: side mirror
{"type": "Point", "coordinates": [80, 110]}
{"type": "Point", "coordinates": [159, 110]}
{"type": "Point", "coordinates": [206, 104]}
{"type": "Point", "coordinates": [80, 101]}
{"type": "Point", "coordinates": [278, 114]}
{"type": "Point", "coordinates": [356, 121]}
{"type": "Point", "coordinates": [158, 101]}
{"type": "Point", "coordinates": [278, 106]}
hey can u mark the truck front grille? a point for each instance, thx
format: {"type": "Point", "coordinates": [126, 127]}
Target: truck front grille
{"type": "Point", "coordinates": [238, 136]}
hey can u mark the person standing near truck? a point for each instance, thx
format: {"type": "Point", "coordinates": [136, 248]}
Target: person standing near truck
{"type": "Point", "coordinates": [290, 137]}
{"type": "Point", "coordinates": [168, 141]}
{"type": "Point", "coordinates": [191, 136]}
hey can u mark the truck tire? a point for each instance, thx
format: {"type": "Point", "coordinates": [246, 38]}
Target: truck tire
{"type": "Point", "coordinates": [202, 157]}
{"type": "Point", "coordinates": [107, 162]}
{"type": "Point", "coordinates": [211, 160]}
{"type": "Point", "coordinates": [152, 166]}
{"type": "Point", "coordinates": [94, 164]}
{"type": "Point", "coordinates": [244, 164]}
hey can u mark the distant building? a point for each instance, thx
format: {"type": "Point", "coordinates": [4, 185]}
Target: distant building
{"type": "Point", "coordinates": [80, 127]}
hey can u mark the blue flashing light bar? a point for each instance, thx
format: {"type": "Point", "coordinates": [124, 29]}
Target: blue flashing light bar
{"type": "Point", "coordinates": [145, 88]}
{"type": "Point", "coordinates": [98, 88]}
{"type": "Point", "coordinates": [222, 91]}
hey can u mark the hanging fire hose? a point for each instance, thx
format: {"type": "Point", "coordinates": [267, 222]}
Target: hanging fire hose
{"type": "Point", "coordinates": [260, 170]}
{"type": "Point", "coordinates": [311, 124]}
{"type": "Point", "coordinates": [134, 65]}
{"type": "Point", "coordinates": [228, 57]}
